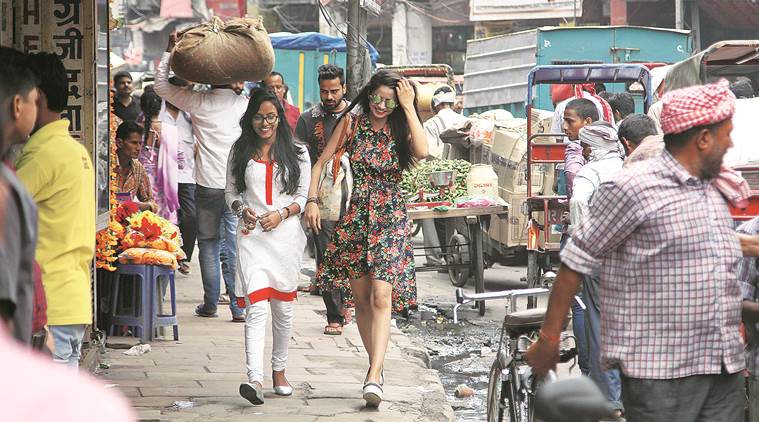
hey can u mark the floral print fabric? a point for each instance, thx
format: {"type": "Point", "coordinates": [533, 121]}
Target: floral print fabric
{"type": "Point", "coordinates": [373, 237]}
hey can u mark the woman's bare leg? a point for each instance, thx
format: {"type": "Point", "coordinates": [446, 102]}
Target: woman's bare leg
{"type": "Point", "coordinates": [381, 298]}
{"type": "Point", "coordinates": [362, 297]}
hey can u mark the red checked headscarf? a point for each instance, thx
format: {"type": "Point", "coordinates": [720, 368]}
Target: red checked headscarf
{"type": "Point", "coordinates": [703, 105]}
{"type": "Point", "coordinates": [694, 106]}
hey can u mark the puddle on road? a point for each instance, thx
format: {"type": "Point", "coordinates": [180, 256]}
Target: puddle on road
{"type": "Point", "coordinates": [461, 353]}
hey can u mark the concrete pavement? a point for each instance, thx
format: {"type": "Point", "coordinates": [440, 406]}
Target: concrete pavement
{"type": "Point", "coordinates": [208, 363]}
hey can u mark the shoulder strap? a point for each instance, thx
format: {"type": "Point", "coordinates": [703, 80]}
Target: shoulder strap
{"type": "Point", "coordinates": [343, 132]}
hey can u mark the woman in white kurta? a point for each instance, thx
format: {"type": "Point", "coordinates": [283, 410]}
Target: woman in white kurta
{"type": "Point", "coordinates": [267, 182]}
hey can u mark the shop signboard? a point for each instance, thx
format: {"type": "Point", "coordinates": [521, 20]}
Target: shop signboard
{"type": "Point", "coordinates": [58, 26]}
{"type": "Point", "coordinates": [510, 10]}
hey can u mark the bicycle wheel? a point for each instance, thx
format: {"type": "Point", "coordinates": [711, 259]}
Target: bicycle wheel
{"type": "Point", "coordinates": [497, 391]}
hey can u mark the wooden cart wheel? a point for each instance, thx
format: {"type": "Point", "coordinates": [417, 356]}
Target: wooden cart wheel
{"type": "Point", "coordinates": [459, 254]}
{"type": "Point", "coordinates": [415, 228]}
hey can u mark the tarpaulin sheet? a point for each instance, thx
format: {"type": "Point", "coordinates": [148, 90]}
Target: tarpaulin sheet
{"type": "Point", "coordinates": [314, 41]}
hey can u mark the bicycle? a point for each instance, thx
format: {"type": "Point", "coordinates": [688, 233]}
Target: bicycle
{"type": "Point", "coordinates": [511, 385]}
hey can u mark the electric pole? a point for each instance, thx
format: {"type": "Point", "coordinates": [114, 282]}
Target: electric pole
{"type": "Point", "coordinates": [357, 70]}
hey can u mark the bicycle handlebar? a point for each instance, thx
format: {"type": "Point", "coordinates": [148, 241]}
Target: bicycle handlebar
{"type": "Point", "coordinates": [463, 298]}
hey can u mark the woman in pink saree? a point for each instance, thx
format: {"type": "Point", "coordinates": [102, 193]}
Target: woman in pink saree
{"type": "Point", "coordinates": [161, 155]}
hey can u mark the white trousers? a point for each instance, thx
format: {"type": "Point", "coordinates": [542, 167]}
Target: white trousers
{"type": "Point", "coordinates": [255, 335]}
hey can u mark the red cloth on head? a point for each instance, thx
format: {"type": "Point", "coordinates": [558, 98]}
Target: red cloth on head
{"type": "Point", "coordinates": [694, 106]}
{"type": "Point", "coordinates": [560, 93]}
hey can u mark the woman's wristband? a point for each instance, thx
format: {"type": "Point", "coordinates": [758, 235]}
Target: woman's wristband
{"type": "Point", "coordinates": [240, 210]}
{"type": "Point", "coordinates": [312, 199]}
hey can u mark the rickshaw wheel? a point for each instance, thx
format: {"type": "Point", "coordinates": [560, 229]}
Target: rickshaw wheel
{"type": "Point", "coordinates": [458, 249]}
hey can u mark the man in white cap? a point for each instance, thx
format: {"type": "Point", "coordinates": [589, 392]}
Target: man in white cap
{"type": "Point", "coordinates": [443, 100]}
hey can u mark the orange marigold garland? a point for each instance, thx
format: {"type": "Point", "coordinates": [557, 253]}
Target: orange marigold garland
{"type": "Point", "coordinates": [108, 239]}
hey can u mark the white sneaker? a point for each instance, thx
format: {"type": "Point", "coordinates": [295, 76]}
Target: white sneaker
{"type": "Point", "coordinates": [372, 394]}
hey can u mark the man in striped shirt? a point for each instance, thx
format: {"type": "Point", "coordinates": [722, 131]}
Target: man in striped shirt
{"type": "Point", "coordinates": [661, 240]}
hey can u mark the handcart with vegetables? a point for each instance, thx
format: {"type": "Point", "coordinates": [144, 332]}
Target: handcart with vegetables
{"type": "Point", "coordinates": [438, 190]}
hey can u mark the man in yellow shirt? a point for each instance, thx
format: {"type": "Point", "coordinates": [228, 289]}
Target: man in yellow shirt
{"type": "Point", "coordinates": [58, 173]}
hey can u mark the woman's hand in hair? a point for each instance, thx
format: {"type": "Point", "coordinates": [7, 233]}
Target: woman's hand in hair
{"type": "Point", "coordinates": [313, 218]}
{"type": "Point", "coordinates": [406, 94]}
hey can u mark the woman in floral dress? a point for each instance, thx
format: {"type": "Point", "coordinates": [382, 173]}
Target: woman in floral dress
{"type": "Point", "coordinates": [370, 257]}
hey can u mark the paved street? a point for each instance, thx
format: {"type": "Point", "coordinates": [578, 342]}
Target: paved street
{"type": "Point", "coordinates": [208, 364]}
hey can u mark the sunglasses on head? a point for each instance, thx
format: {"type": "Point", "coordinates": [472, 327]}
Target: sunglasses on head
{"type": "Point", "coordinates": [377, 100]}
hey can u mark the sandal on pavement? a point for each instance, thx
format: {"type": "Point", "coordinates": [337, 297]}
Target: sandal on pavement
{"type": "Point", "coordinates": [224, 299]}
{"type": "Point", "coordinates": [201, 311]}
{"type": "Point", "coordinates": [184, 268]}
{"type": "Point", "coordinates": [372, 394]}
{"type": "Point", "coordinates": [252, 392]}
{"type": "Point", "coordinates": [333, 329]}
{"type": "Point", "coordinates": [238, 318]}
{"type": "Point", "coordinates": [282, 390]}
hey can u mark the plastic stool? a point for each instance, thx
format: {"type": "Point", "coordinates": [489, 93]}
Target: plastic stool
{"type": "Point", "coordinates": [140, 316]}
{"type": "Point", "coordinates": [162, 319]}
{"type": "Point", "coordinates": [145, 318]}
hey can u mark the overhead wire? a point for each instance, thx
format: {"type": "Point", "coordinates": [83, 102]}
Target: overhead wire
{"type": "Point", "coordinates": [454, 11]}
{"type": "Point", "coordinates": [363, 42]}
{"type": "Point", "coordinates": [431, 16]}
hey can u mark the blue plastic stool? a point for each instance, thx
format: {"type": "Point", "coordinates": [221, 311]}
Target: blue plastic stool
{"type": "Point", "coordinates": [162, 319]}
{"type": "Point", "coordinates": [145, 317]}
{"type": "Point", "coordinates": [139, 317]}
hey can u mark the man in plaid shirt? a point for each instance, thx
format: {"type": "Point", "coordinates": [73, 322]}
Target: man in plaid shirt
{"type": "Point", "coordinates": [661, 240]}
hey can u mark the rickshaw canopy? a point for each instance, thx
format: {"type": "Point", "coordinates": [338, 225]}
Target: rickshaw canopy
{"type": "Point", "coordinates": [591, 73]}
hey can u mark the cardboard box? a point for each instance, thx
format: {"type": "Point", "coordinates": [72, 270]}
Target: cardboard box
{"type": "Point", "coordinates": [540, 120]}
{"type": "Point", "coordinates": [508, 156]}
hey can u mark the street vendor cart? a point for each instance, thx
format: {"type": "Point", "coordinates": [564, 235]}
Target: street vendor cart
{"type": "Point", "coordinates": [464, 253]}
{"type": "Point", "coordinates": [548, 149]}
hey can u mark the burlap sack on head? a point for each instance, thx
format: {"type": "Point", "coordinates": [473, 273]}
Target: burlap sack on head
{"type": "Point", "coordinates": [220, 53]}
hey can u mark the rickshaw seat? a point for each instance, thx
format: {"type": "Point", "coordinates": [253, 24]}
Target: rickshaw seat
{"type": "Point", "coordinates": [523, 322]}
